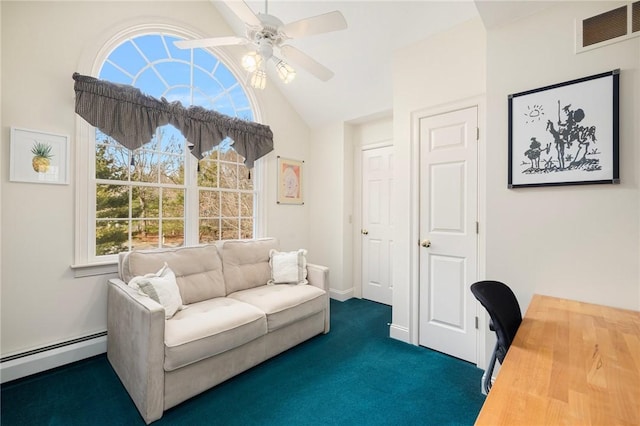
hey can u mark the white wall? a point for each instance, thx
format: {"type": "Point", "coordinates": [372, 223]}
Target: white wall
{"type": "Point", "coordinates": [331, 179]}
{"type": "Point", "coordinates": [442, 70]}
{"type": "Point", "coordinates": [43, 43]}
{"type": "Point", "coordinates": [578, 242]}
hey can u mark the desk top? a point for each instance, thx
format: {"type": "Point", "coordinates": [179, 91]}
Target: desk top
{"type": "Point", "coordinates": [571, 363]}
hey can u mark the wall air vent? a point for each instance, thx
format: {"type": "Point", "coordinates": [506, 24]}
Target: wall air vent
{"type": "Point", "coordinates": [605, 26]}
{"type": "Point", "coordinates": [610, 26]}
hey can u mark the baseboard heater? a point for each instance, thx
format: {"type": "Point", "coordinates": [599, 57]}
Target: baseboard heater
{"type": "Point", "coordinates": [26, 363]}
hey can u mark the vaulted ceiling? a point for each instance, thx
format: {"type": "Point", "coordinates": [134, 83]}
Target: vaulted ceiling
{"type": "Point", "coordinates": [362, 55]}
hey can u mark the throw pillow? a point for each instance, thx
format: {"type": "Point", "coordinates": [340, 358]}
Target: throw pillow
{"type": "Point", "coordinates": [288, 267]}
{"type": "Point", "coordinates": [161, 287]}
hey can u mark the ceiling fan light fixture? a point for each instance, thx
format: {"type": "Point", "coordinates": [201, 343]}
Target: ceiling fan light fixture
{"type": "Point", "coordinates": [259, 79]}
{"type": "Point", "coordinates": [252, 61]}
{"type": "Point", "coordinates": [285, 71]}
{"type": "Point", "coordinates": [266, 33]}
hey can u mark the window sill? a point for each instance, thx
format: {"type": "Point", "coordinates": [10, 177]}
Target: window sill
{"type": "Point", "coordinates": [93, 269]}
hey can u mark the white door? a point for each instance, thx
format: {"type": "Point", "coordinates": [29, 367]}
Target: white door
{"type": "Point", "coordinates": [448, 231]}
{"type": "Point", "coordinates": [377, 243]}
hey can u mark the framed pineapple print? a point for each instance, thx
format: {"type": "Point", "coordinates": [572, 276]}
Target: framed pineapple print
{"type": "Point", "coordinates": [39, 157]}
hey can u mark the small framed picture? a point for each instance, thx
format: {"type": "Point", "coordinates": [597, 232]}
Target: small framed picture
{"type": "Point", "coordinates": [565, 134]}
{"type": "Point", "coordinates": [39, 157]}
{"type": "Point", "coordinates": [289, 181]}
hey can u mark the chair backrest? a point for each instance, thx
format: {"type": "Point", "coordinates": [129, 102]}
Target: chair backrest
{"type": "Point", "coordinates": [504, 310]}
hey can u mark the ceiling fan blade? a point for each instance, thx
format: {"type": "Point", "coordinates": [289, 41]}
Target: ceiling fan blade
{"type": "Point", "coordinates": [243, 11]}
{"type": "Point", "coordinates": [325, 23]}
{"type": "Point", "coordinates": [305, 61]}
{"type": "Point", "coordinates": [209, 42]}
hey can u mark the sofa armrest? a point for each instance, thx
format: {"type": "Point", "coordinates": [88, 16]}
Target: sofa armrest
{"type": "Point", "coordinates": [135, 346]}
{"type": "Point", "coordinates": [318, 276]}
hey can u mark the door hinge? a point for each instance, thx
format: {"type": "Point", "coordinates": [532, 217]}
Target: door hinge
{"type": "Point", "coordinates": [477, 133]}
{"type": "Point", "coordinates": [477, 227]}
{"type": "Point", "coordinates": [476, 323]}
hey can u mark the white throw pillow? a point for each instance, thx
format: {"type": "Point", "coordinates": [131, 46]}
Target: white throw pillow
{"type": "Point", "coordinates": [161, 287]}
{"type": "Point", "coordinates": [288, 267]}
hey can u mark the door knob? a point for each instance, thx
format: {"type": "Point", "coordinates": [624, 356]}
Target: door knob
{"type": "Point", "coordinates": [364, 232]}
{"type": "Point", "coordinates": [425, 243]}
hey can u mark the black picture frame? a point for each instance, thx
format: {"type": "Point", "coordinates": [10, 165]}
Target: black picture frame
{"type": "Point", "coordinates": [566, 134]}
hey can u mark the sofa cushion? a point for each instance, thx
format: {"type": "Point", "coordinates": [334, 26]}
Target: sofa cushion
{"type": "Point", "coordinates": [209, 328]}
{"type": "Point", "coordinates": [288, 267]}
{"type": "Point", "coordinates": [246, 263]}
{"type": "Point", "coordinates": [284, 303]}
{"type": "Point", "coordinates": [198, 269]}
{"type": "Point", "coordinates": [161, 287]}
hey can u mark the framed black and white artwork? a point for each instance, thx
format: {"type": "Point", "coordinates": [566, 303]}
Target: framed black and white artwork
{"type": "Point", "coordinates": [565, 134]}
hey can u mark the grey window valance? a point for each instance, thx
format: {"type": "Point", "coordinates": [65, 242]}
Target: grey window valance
{"type": "Point", "coordinates": [131, 118]}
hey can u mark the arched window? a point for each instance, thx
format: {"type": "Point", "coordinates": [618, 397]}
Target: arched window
{"type": "Point", "coordinates": [159, 195]}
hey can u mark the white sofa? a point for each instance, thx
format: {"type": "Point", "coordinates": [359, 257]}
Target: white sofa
{"type": "Point", "coordinates": [233, 320]}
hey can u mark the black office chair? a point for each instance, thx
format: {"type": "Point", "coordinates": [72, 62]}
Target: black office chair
{"type": "Point", "coordinates": [504, 310]}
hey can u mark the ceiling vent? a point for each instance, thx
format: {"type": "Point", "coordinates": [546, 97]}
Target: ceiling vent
{"type": "Point", "coordinates": [608, 27]}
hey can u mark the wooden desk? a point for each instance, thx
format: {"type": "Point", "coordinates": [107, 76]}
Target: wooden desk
{"type": "Point", "coordinates": [571, 363]}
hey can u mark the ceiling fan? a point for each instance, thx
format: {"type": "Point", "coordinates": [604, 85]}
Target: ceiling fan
{"type": "Point", "coordinates": [266, 36]}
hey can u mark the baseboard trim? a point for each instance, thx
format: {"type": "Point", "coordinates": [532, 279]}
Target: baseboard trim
{"type": "Point", "coordinates": [35, 361]}
{"type": "Point", "coordinates": [399, 333]}
{"type": "Point", "coordinates": [341, 295]}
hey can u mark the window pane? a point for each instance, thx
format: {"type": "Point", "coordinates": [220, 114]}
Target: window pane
{"type": "Point", "coordinates": [174, 73]}
{"type": "Point", "coordinates": [172, 203]}
{"type": "Point", "coordinates": [145, 202]}
{"type": "Point", "coordinates": [209, 204]}
{"type": "Point", "coordinates": [224, 105]}
{"type": "Point", "coordinates": [246, 205]}
{"type": "Point", "coordinates": [240, 101]}
{"type": "Point", "coordinates": [170, 140]}
{"type": "Point", "coordinates": [208, 175]}
{"type": "Point", "coordinates": [246, 228]}
{"type": "Point", "coordinates": [113, 74]}
{"type": "Point", "coordinates": [152, 46]}
{"type": "Point", "coordinates": [231, 155]}
{"type": "Point", "coordinates": [228, 175]}
{"type": "Point", "coordinates": [144, 234]}
{"type": "Point", "coordinates": [230, 229]}
{"type": "Point", "coordinates": [203, 81]}
{"type": "Point", "coordinates": [245, 182]}
{"type": "Point", "coordinates": [128, 58]}
{"type": "Point", "coordinates": [149, 82]}
{"type": "Point", "coordinates": [209, 231]}
{"type": "Point", "coordinates": [230, 204]}
{"type": "Point", "coordinates": [112, 162]}
{"type": "Point", "coordinates": [112, 201]}
{"type": "Point", "coordinates": [145, 167]}
{"type": "Point", "coordinates": [180, 94]}
{"type": "Point", "coordinates": [112, 236]}
{"type": "Point", "coordinates": [172, 233]}
{"type": "Point", "coordinates": [224, 76]}
{"type": "Point", "coordinates": [171, 169]}
{"type": "Point", "coordinates": [204, 60]}
{"type": "Point", "coordinates": [181, 54]}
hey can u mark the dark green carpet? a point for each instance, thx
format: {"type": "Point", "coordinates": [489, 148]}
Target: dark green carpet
{"type": "Point", "coordinates": [355, 375]}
